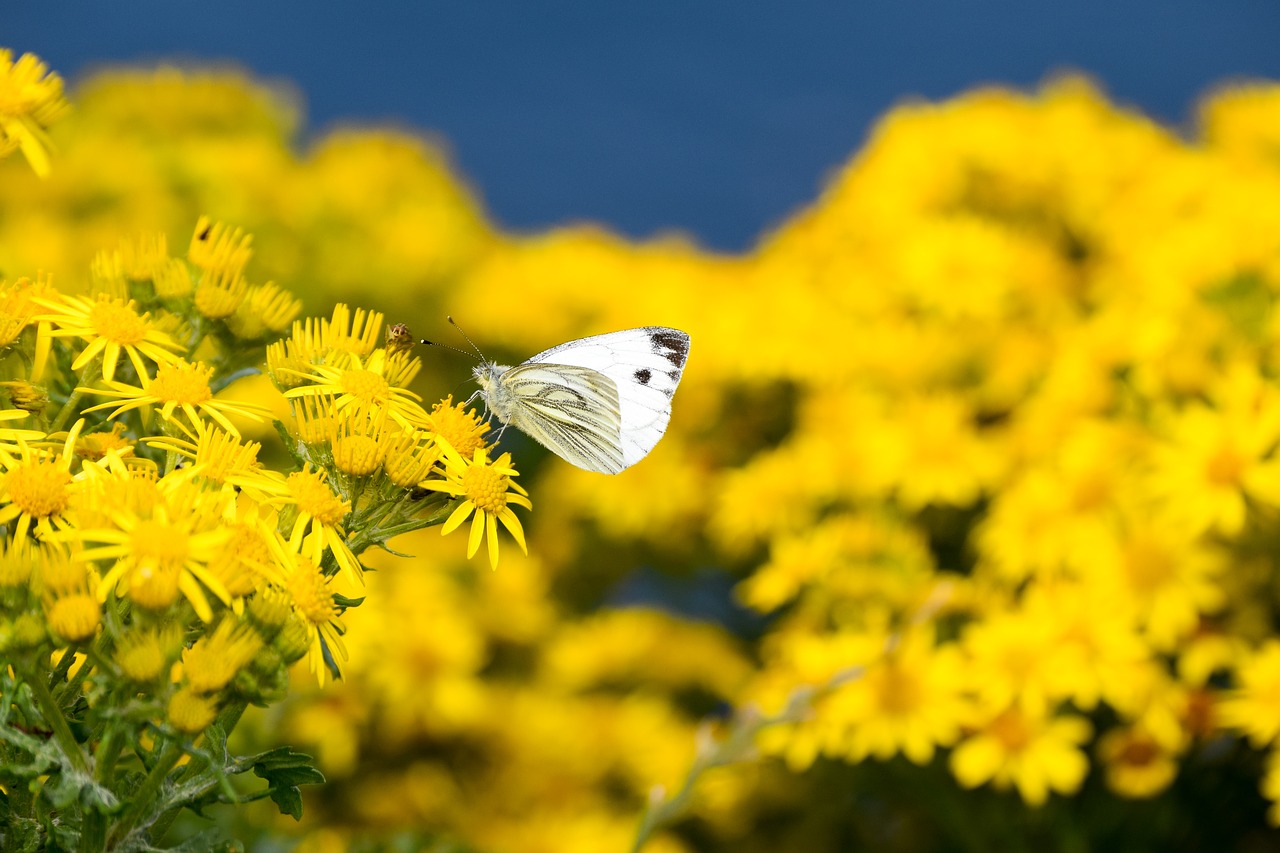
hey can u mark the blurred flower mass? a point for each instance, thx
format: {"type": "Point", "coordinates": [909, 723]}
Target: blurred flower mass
{"type": "Point", "coordinates": [965, 533]}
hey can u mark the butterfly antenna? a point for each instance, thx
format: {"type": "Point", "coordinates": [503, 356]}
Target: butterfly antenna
{"type": "Point", "coordinates": [454, 323]}
{"type": "Point", "coordinates": [455, 349]}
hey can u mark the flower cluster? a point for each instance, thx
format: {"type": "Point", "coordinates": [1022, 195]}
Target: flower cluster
{"type": "Point", "coordinates": [985, 441]}
{"type": "Point", "coordinates": [156, 575]}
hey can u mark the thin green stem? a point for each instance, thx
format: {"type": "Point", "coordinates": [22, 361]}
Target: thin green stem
{"type": "Point", "coordinates": [145, 797]}
{"type": "Point", "coordinates": [93, 832]}
{"type": "Point", "coordinates": [54, 717]}
{"type": "Point", "coordinates": [73, 400]}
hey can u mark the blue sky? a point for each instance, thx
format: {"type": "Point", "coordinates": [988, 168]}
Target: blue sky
{"type": "Point", "coordinates": [709, 117]}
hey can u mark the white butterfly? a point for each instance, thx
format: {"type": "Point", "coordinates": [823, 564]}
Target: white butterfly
{"type": "Point", "coordinates": [600, 403]}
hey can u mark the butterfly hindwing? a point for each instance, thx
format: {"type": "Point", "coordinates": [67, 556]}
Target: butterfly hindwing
{"type": "Point", "coordinates": [645, 364]}
{"type": "Point", "coordinates": [571, 410]}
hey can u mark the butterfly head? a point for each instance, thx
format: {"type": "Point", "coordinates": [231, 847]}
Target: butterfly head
{"type": "Point", "coordinates": [497, 397]}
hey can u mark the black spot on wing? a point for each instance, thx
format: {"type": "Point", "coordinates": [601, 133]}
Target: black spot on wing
{"type": "Point", "coordinates": [643, 376]}
{"type": "Point", "coordinates": [671, 345]}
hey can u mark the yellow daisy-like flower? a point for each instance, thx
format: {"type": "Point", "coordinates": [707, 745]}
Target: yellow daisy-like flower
{"type": "Point", "coordinates": [486, 489]}
{"type": "Point", "coordinates": [178, 386]}
{"type": "Point", "coordinates": [36, 488]}
{"type": "Point", "coordinates": [109, 326]}
{"type": "Point", "coordinates": [218, 295]}
{"type": "Point", "coordinates": [70, 605]}
{"type": "Point", "coordinates": [318, 514]}
{"type": "Point", "coordinates": [1138, 765]}
{"type": "Point", "coordinates": [142, 258]}
{"type": "Point", "coordinates": [409, 457]}
{"type": "Point", "coordinates": [218, 249]}
{"type": "Point", "coordinates": [30, 100]}
{"type": "Point", "coordinates": [308, 590]}
{"type": "Point", "coordinates": [18, 307]}
{"type": "Point", "coordinates": [909, 701]}
{"type": "Point", "coordinates": [225, 459]}
{"type": "Point", "coordinates": [143, 654]}
{"type": "Point", "coordinates": [216, 657]}
{"type": "Point", "coordinates": [1254, 707]}
{"type": "Point", "coordinates": [1036, 753]}
{"type": "Point", "coordinates": [161, 549]}
{"type": "Point", "coordinates": [355, 334]}
{"type": "Point", "coordinates": [367, 386]}
{"type": "Point", "coordinates": [191, 712]}
{"type": "Point", "coordinates": [266, 308]}
{"type": "Point", "coordinates": [459, 427]}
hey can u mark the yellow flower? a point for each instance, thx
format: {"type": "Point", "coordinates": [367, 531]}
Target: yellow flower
{"type": "Point", "coordinates": [308, 590]}
{"type": "Point", "coordinates": [144, 257]}
{"type": "Point", "coordinates": [109, 326]}
{"type": "Point", "coordinates": [265, 309]}
{"type": "Point", "coordinates": [1163, 575]}
{"type": "Point", "coordinates": [907, 701]}
{"type": "Point", "coordinates": [366, 386]}
{"type": "Point", "coordinates": [190, 712]}
{"type": "Point", "coordinates": [1034, 752]}
{"type": "Point", "coordinates": [1254, 706]}
{"type": "Point", "coordinates": [30, 100]}
{"type": "Point", "coordinates": [219, 249]}
{"type": "Point", "coordinates": [144, 653]}
{"type": "Point", "coordinates": [216, 657]}
{"type": "Point", "coordinates": [1137, 764]}
{"type": "Point", "coordinates": [1216, 457]}
{"type": "Point", "coordinates": [460, 428]}
{"type": "Point", "coordinates": [161, 548]}
{"type": "Point", "coordinates": [409, 457]}
{"type": "Point", "coordinates": [225, 459]}
{"type": "Point", "coordinates": [218, 295]}
{"type": "Point", "coordinates": [70, 603]}
{"type": "Point", "coordinates": [18, 307]}
{"type": "Point", "coordinates": [36, 489]}
{"type": "Point", "coordinates": [178, 386]}
{"type": "Point", "coordinates": [316, 524]}
{"type": "Point", "coordinates": [486, 489]}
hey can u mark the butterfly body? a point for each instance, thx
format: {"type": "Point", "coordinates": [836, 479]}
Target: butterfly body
{"type": "Point", "coordinates": [600, 403]}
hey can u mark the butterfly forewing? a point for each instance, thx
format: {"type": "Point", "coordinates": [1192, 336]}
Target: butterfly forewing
{"type": "Point", "coordinates": [571, 410]}
{"type": "Point", "coordinates": [645, 364]}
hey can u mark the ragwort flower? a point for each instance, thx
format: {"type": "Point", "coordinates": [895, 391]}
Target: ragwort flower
{"type": "Point", "coordinates": [178, 386]}
{"type": "Point", "coordinates": [30, 100]}
{"type": "Point", "coordinates": [486, 489]}
{"type": "Point", "coordinates": [109, 326]}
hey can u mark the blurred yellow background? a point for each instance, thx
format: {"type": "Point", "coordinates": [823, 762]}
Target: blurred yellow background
{"type": "Point", "coordinates": [1003, 399]}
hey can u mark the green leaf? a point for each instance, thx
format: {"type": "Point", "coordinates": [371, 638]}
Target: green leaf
{"type": "Point", "coordinates": [343, 602]}
{"type": "Point", "coordinates": [284, 771]}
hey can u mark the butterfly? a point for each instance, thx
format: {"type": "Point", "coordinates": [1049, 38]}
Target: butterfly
{"type": "Point", "coordinates": [600, 403]}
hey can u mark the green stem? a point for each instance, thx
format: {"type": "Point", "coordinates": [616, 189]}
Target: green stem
{"type": "Point", "coordinates": [54, 717]}
{"type": "Point", "coordinates": [144, 798]}
{"type": "Point", "coordinates": [93, 832]}
{"type": "Point", "coordinates": [228, 719]}
{"type": "Point", "coordinates": [73, 400]}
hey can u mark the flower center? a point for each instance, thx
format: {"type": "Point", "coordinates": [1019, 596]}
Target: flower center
{"type": "Point", "coordinates": [311, 593]}
{"type": "Point", "coordinates": [185, 384]}
{"type": "Point", "coordinates": [157, 543]}
{"type": "Point", "coordinates": [1225, 467]}
{"type": "Point", "coordinates": [462, 429]}
{"type": "Point", "coordinates": [485, 488]}
{"type": "Point", "coordinates": [1139, 752]}
{"type": "Point", "coordinates": [314, 497]}
{"type": "Point", "coordinates": [1012, 732]}
{"type": "Point", "coordinates": [39, 488]}
{"type": "Point", "coordinates": [357, 455]}
{"type": "Point", "coordinates": [117, 323]}
{"type": "Point", "coordinates": [365, 385]}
